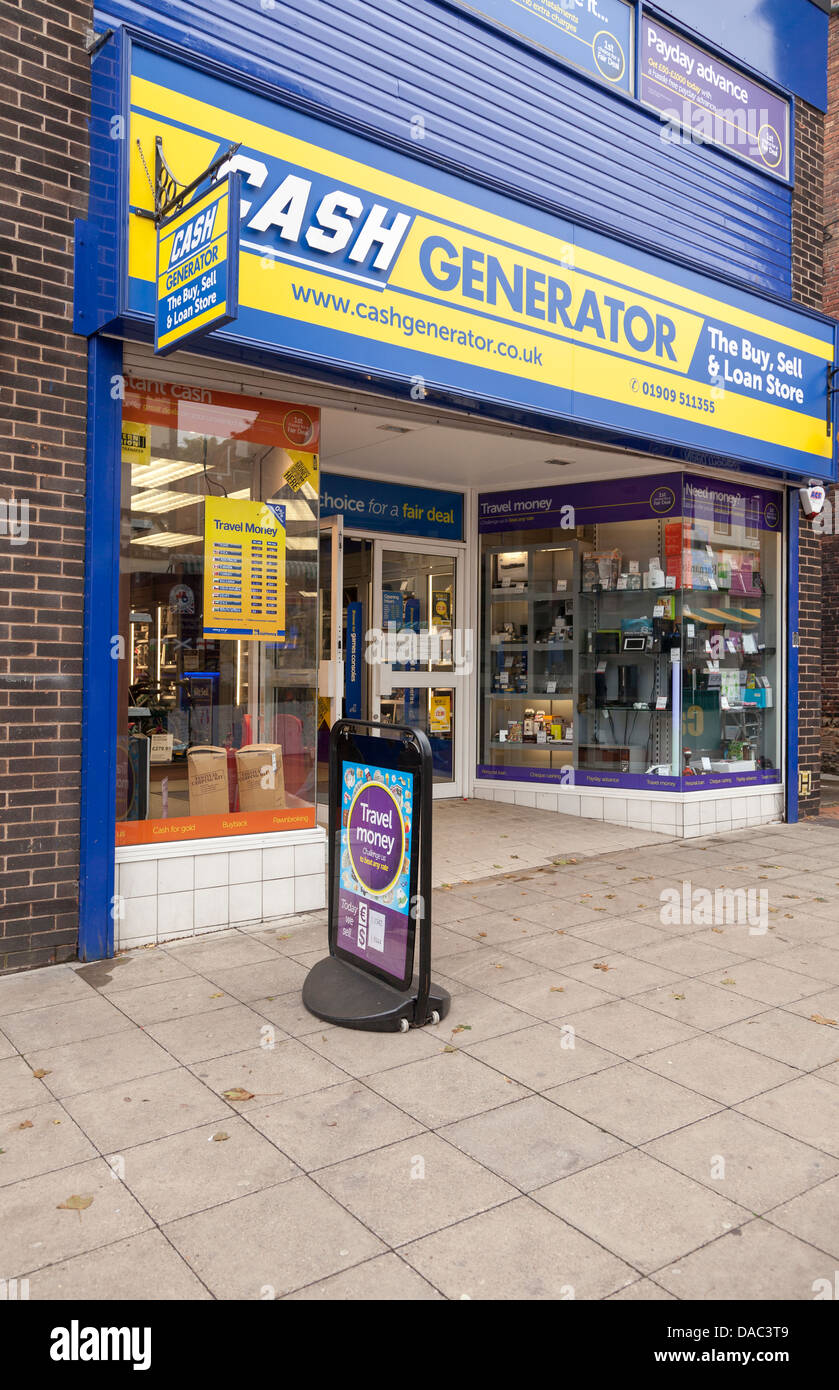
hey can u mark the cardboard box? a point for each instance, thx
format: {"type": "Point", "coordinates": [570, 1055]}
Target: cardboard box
{"type": "Point", "coordinates": [261, 783]}
{"type": "Point", "coordinates": [208, 791]}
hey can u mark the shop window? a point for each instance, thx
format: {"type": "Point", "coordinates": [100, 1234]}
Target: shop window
{"type": "Point", "coordinates": [638, 653]}
{"type": "Point", "coordinates": [218, 613]}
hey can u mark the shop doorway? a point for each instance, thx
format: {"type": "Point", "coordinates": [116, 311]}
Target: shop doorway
{"type": "Point", "coordinates": [390, 619]}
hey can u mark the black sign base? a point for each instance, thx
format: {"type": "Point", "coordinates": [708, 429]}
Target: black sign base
{"type": "Point", "coordinates": [339, 993]}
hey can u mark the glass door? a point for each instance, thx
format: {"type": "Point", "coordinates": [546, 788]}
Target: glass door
{"type": "Point", "coordinates": [330, 640]}
{"type": "Point", "coordinates": [421, 677]}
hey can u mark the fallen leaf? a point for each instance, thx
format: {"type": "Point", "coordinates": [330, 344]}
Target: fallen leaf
{"type": "Point", "coordinates": [27, 1124]}
{"type": "Point", "coordinates": [602, 966]}
{"type": "Point", "coordinates": [78, 1202]}
{"type": "Point", "coordinates": [481, 933]}
{"type": "Point", "coordinates": [42, 1071]}
{"type": "Point", "coordinates": [220, 1137]}
{"type": "Point", "coordinates": [717, 931]}
{"type": "Point", "coordinates": [728, 982]}
{"type": "Point", "coordinates": [332, 1124]}
{"type": "Point", "coordinates": [462, 1028]}
{"type": "Point", "coordinates": [677, 996]}
{"type": "Point", "coordinates": [449, 1049]}
{"type": "Point", "coordinates": [819, 1018]}
{"type": "Point", "coordinates": [237, 1093]}
{"type": "Point", "coordinates": [557, 989]}
{"type": "Point", "coordinates": [217, 996]}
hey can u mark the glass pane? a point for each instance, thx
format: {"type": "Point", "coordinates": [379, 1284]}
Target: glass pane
{"type": "Point", "coordinates": [730, 560]}
{"type": "Point", "coordinates": [418, 607]}
{"type": "Point", "coordinates": [527, 671]}
{"type": "Point", "coordinates": [215, 725]}
{"type": "Point", "coordinates": [434, 712]}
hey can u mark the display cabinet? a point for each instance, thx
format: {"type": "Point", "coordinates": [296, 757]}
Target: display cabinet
{"type": "Point", "coordinates": [528, 670]}
{"type": "Point", "coordinates": [638, 652]}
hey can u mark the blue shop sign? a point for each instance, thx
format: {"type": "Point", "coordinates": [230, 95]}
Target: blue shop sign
{"type": "Point", "coordinates": [594, 35]}
{"type": "Point", "coordinates": [399, 508]}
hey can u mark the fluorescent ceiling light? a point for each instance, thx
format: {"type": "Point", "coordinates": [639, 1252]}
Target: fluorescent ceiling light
{"type": "Point", "coordinates": [148, 475]}
{"type": "Point", "coordinates": [159, 500]}
{"type": "Point", "coordinates": [166, 538]}
{"type": "Point", "coordinates": [243, 495]}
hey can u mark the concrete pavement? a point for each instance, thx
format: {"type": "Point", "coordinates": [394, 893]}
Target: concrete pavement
{"type": "Point", "coordinates": [618, 1106]}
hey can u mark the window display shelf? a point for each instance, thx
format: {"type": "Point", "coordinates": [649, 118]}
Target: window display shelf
{"type": "Point", "coordinates": [564, 694]}
{"type": "Point", "coordinates": [550, 747]}
{"type": "Point", "coordinates": [537, 595]}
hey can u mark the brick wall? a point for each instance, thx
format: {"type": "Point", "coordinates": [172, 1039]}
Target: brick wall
{"type": "Point", "coordinates": [830, 542]}
{"type": "Point", "coordinates": [45, 84]}
{"type": "Point", "coordinates": [808, 288]}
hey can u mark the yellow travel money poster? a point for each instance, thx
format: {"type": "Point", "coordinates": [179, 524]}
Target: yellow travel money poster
{"type": "Point", "coordinates": [244, 569]}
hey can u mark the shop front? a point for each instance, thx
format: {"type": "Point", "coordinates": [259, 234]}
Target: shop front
{"type": "Point", "coordinates": [446, 459]}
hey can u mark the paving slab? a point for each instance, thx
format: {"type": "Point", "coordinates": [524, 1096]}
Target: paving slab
{"type": "Point", "coordinates": [326, 1126]}
{"type": "Point", "coordinates": [718, 1068]}
{"type": "Point", "coordinates": [640, 1209]}
{"type": "Point", "coordinates": [93, 1064]}
{"type": "Point", "coordinates": [32, 1030]}
{"type": "Point", "coordinates": [807, 1109]}
{"type": "Point", "coordinates": [531, 1143]}
{"type": "Point", "coordinates": [39, 1139]}
{"type": "Point", "coordinates": [409, 1189]}
{"type": "Point", "coordinates": [624, 1027]}
{"type": "Point", "coordinates": [269, 1243]}
{"type": "Point", "coordinates": [811, 1217]}
{"type": "Point", "coordinates": [445, 1087]}
{"type": "Point", "coordinates": [739, 1158]}
{"type": "Point", "coordinates": [39, 1227]}
{"type": "Point", "coordinates": [385, 1278]}
{"type": "Point", "coordinates": [542, 1056]}
{"type": "Point", "coordinates": [144, 1108]}
{"type": "Point", "coordinates": [143, 1267]}
{"type": "Point", "coordinates": [755, 1263]}
{"type": "Point", "coordinates": [202, 1167]}
{"type": "Point", "coordinates": [38, 989]}
{"type": "Point", "coordinates": [800, 1042]}
{"type": "Point", "coordinates": [199, 1037]}
{"type": "Point", "coordinates": [518, 1251]}
{"type": "Point", "coordinates": [631, 1102]}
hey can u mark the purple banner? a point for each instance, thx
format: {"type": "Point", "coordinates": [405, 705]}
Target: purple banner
{"type": "Point", "coordinates": [716, 103]}
{"type": "Point", "coordinates": [628, 781]}
{"type": "Point", "coordinates": [631, 499]}
{"type": "Point", "coordinates": [717, 503]}
{"type": "Point", "coordinates": [375, 872]}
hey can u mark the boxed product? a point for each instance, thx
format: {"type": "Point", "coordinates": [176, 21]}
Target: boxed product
{"type": "Point", "coordinates": [208, 791]}
{"type": "Point", "coordinates": [600, 570]}
{"type": "Point", "coordinates": [261, 783]}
